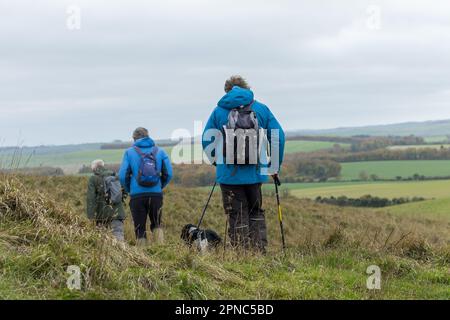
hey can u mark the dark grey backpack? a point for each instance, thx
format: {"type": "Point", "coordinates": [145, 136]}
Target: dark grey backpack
{"type": "Point", "coordinates": [241, 136]}
{"type": "Point", "coordinates": [113, 190]}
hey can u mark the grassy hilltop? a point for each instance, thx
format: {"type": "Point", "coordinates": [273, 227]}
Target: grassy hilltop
{"type": "Point", "coordinates": [43, 230]}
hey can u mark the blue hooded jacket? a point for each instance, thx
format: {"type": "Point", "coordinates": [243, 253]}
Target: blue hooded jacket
{"type": "Point", "coordinates": [130, 167]}
{"type": "Point", "coordinates": [242, 174]}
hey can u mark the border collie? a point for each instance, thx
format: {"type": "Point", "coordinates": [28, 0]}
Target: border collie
{"type": "Point", "coordinates": [201, 239]}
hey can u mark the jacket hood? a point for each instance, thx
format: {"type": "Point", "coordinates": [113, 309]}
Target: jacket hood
{"type": "Point", "coordinates": [235, 98]}
{"type": "Point", "coordinates": [103, 172]}
{"type": "Point", "coordinates": [144, 143]}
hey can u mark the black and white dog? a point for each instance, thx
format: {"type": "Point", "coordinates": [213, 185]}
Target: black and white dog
{"type": "Point", "coordinates": [201, 239]}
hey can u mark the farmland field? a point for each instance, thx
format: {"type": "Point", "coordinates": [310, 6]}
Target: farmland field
{"type": "Point", "coordinates": [392, 169]}
{"type": "Point", "coordinates": [438, 189]}
{"type": "Point", "coordinates": [430, 209]}
{"type": "Point", "coordinates": [320, 185]}
{"type": "Point", "coordinates": [77, 158]}
{"type": "Point", "coordinates": [72, 161]}
{"type": "Point", "coordinates": [309, 146]}
{"type": "Point", "coordinates": [436, 139]}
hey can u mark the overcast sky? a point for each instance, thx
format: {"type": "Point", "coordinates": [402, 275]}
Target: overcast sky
{"type": "Point", "coordinates": [162, 64]}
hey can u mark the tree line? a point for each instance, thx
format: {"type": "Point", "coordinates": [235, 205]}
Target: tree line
{"type": "Point", "coordinates": [364, 142]}
{"type": "Point", "coordinates": [309, 170]}
{"type": "Point", "coordinates": [376, 155]}
{"type": "Point", "coordinates": [366, 201]}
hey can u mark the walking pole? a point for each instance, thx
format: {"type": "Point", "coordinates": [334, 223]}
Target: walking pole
{"type": "Point", "coordinates": [277, 183]}
{"type": "Point", "coordinates": [225, 237]}
{"type": "Point", "coordinates": [206, 206]}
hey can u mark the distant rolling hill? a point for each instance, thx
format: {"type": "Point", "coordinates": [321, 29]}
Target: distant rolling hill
{"type": "Point", "coordinates": [424, 129]}
{"type": "Point", "coordinates": [437, 131]}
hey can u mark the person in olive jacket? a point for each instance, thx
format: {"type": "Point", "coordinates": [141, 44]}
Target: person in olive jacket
{"type": "Point", "coordinates": [98, 210]}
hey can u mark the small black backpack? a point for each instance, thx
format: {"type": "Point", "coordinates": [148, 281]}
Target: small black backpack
{"type": "Point", "coordinates": [241, 137]}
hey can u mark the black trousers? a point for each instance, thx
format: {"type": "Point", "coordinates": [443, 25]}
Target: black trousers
{"type": "Point", "coordinates": [247, 222]}
{"type": "Point", "coordinates": [144, 206]}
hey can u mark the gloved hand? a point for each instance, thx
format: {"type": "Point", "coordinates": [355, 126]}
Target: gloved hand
{"type": "Point", "coordinates": [276, 179]}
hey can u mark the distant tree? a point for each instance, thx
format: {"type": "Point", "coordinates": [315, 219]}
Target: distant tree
{"type": "Point", "coordinates": [337, 148]}
{"type": "Point", "coordinates": [321, 170]}
{"type": "Point", "coordinates": [363, 176]}
{"type": "Point", "coordinates": [366, 201]}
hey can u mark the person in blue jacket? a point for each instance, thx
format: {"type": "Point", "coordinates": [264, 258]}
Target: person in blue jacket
{"type": "Point", "coordinates": [241, 183]}
{"type": "Point", "coordinates": [145, 200]}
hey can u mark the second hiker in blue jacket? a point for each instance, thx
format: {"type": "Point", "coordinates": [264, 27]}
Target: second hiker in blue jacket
{"type": "Point", "coordinates": [241, 183]}
{"type": "Point", "coordinates": [146, 200]}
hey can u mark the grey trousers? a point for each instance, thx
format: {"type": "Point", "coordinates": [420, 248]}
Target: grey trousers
{"type": "Point", "coordinates": [118, 230]}
{"type": "Point", "coordinates": [116, 226]}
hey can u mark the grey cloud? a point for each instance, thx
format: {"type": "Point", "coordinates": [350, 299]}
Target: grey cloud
{"type": "Point", "coordinates": [162, 64]}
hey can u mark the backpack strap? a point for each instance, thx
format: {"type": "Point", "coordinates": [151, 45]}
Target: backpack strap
{"type": "Point", "coordinates": [247, 107]}
{"type": "Point", "coordinates": [105, 190]}
{"type": "Point", "coordinates": [155, 151]}
{"type": "Point", "coordinates": [139, 151]}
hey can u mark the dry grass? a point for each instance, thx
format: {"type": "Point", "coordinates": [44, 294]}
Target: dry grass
{"type": "Point", "coordinates": [36, 220]}
{"type": "Point", "coordinates": [43, 230]}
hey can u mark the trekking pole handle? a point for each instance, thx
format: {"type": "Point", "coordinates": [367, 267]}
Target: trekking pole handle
{"type": "Point", "coordinates": [276, 180]}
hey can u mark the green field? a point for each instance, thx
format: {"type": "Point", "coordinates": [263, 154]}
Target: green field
{"type": "Point", "coordinates": [320, 185]}
{"type": "Point", "coordinates": [436, 209]}
{"type": "Point", "coordinates": [436, 139]}
{"type": "Point", "coordinates": [392, 169]}
{"type": "Point", "coordinates": [310, 146]}
{"type": "Point", "coordinates": [72, 161]}
{"type": "Point", "coordinates": [438, 189]}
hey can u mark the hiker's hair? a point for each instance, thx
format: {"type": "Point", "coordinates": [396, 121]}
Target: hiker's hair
{"type": "Point", "coordinates": [236, 81]}
{"type": "Point", "coordinates": [140, 133]}
{"type": "Point", "coordinates": [96, 164]}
